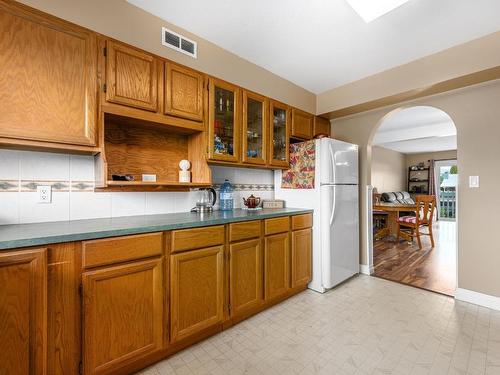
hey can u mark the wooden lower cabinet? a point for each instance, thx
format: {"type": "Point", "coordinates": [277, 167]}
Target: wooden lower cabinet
{"type": "Point", "coordinates": [245, 276]}
{"type": "Point", "coordinates": [301, 257]}
{"type": "Point", "coordinates": [23, 312]}
{"type": "Point", "coordinates": [196, 291]}
{"type": "Point", "coordinates": [276, 265]}
{"type": "Point", "coordinates": [123, 315]}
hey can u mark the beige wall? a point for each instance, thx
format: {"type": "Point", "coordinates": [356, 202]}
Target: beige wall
{"type": "Point", "coordinates": [388, 170]}
{"type": "Point", "coordinates": [415, 159]}
{"type": "Point", "coordinates": [476, 114]}
{"type": "Point", "coordinates": [127, 23]}
{"type": "Point", "coordinates": [451, 63]}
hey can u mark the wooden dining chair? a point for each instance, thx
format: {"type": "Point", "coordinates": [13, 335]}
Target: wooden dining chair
{"type": "Point", "coordinates": [426, 204]}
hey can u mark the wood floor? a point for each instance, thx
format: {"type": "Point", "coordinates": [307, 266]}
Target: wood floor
{"type": "Point", "coordinates": [432, 269]}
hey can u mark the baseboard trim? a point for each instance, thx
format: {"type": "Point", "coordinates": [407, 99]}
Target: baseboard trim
{"type": "Point", "coordinates": [365, 269]}
{"type": "Point", "coordinates": [476, 298]}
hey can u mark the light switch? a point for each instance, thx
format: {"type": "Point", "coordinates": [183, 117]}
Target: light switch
{"type": "Point", "coordinates": [473, 181]}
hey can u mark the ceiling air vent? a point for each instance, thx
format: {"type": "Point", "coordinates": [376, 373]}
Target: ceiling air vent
{"type": "Point", "coordinates": [178, 42]}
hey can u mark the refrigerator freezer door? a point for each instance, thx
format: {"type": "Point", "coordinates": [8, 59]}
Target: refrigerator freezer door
{"type": "Point", "coordinates": [339, 233]}
{"type": "Point", "coordinates": [338, 162]}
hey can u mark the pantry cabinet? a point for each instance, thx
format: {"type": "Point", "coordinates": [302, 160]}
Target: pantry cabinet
{"type": "Point", "coordinates": [223, 121]}
{"type": "Point", "coordinates": [131, 76]}
{"type": "Point", "coordinates": [279, 134]}
{"type": "Point", "coordinates": [255, 124]}
{"type": "Point", "coordinates": [183, 92]}
{"type": "Point", "coordinates": [23, 312]}
{"type": "Point", "coordinates": [302, 124]}
{"type": "Point", "coordinates": [48, 84]}
{"type": "Point", "coordinates": [196, 291]}
{"type": "Point", "coordinates": [123, 315]}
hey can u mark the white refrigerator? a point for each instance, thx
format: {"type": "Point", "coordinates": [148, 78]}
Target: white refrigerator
{"type": "Point", "coordinates": [334, 199]}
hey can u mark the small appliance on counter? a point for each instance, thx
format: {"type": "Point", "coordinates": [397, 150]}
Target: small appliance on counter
{"type": "Point", "coordinates": [206, 200]}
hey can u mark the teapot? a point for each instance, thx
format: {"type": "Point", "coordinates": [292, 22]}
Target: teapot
{"type": "Point", "coordinates": [251, 201]}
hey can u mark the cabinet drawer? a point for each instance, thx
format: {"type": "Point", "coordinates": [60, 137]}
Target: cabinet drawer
{"type": "Point", "coordinates": [276, 225]}
{"type": "Point", "coordinates": [302, 221]}
{"type": "Point", "coordinates": [121, 249]}
{"type": "Point", "coordinates": [244, 231]}
{"type": "Point", "coordinates": [196, 238]}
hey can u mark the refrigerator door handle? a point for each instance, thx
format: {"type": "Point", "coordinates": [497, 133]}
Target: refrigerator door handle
{"type": "Point", "coordinates": [332, 216]}
{"type": "Point", "coordinates": [332, 157]}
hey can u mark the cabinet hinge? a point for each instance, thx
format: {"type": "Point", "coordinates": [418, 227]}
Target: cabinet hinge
{"type": "Point", "coordinates": [105, 51]}
{"type": "Point", "coordinates": [229, 308]}
{"type": "Point", "coordinates": [80, 368]}
{"type": "Point", "coordinates": [104, 88]}
{"type": "Point", "coordinates": [80, 289]}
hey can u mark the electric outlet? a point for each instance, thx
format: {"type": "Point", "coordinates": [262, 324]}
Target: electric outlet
{"type": "Point", "coordinates": [44, 193]}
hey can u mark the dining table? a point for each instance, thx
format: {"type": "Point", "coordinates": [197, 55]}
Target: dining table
{"type": "Point", "coordinates": [393, 210]}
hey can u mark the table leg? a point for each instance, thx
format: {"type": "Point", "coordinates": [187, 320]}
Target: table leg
{"type": "Point", "coordinates": [392, 223]}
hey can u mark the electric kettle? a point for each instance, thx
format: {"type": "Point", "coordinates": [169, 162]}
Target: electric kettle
{"type": "Point", "coordinates": [206, 200]}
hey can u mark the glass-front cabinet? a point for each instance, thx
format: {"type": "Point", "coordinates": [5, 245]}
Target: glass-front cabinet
{"type": "Point", "coordinates": [223, 116]}
{"type": "Point", "coordinates": [255, 123]}
{"type": "Point", "coordinates": [279, 134]}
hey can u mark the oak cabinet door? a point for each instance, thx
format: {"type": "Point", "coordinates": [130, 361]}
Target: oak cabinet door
{"type": "Point", "coordinates": [276, 265]}
{"type": "Point", "coordinates": [23, 312]}
{"type": "Point", "coordinates": [223, 121]}
{"type": "Point", "coordinates": [255, 125]}
{"type": "Point", "coordinates": [183, 92]}
{"type": "Point", "coordinates": [321, 126]}
{"type": "Point", "coordinates": [131, 77]}
{"type": "Point", "coordinates": [302, 124]}
{"type": "Point", "coordinates": [279, 133]}
{"type": "Point", "coordinates": [245, 276]}
{"type": "Point", "coordinates": [196, 294]}
{"type": "Point", "coordinates": [122, 314]}
{"type": "Point", "coordinates": [301, 257]}
{"type": "Point", "coordinates": [48, 83]}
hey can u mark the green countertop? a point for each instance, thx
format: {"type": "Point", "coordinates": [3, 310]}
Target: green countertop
{"type": "Point", "coordinates": [24, 235]}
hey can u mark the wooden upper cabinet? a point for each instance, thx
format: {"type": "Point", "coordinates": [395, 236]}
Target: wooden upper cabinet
{"type": "Point", "coordinates": [23, 312]}
{"type": "Point", "coordinates": [276, 265]}
{"type": "Point", "coordinates": [131, 77]}
{"type": "Point", "coordinates": [123, 319]}
{"type": "Point", "coordinates": [196, 291]}
{"type": "Point", "coordinates": [48, 84]}
{"type": "Point", "coordinates": [223, 121]}
{"type": "Point", "coordinates": [183, 92]}
{"type": "Point", "coordinates": [321, 126]}
{"type": "Point", "coordinates": [302, 124]}
{"type": "Point", "coordinates": [245, 275]}
{"type": "Point", "coordinates": [254, 128]}
{"type": "Point", "coordinates": [301, 257]}
{"type": "Point", "coordinates": [279, 134]}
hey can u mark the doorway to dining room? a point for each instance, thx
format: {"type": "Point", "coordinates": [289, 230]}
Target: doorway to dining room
{"type": "Point", "coordinates": [414, 165]}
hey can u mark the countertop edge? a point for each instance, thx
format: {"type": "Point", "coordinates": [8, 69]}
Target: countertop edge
{"type": "Point", "coordinates": [74, 237]}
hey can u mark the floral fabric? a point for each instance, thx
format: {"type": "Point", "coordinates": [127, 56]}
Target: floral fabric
{"type": "Point", "coordinates": [302, 167]}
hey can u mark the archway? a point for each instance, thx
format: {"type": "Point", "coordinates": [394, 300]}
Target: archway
{"type": "Point", "coordinates": [411, 152]}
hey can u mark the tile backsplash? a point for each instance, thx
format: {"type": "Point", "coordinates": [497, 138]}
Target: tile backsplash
{"type": "Point", "coordinates": [73, 196]}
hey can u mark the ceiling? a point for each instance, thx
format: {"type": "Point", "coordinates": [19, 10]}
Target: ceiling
{"type": "Point", "coordinates": [323, 44]}
{"type": "Point", "coordinates": [416, 130]}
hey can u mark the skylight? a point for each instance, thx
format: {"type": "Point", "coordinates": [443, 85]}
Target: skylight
{"type": "Point", "coordinates": [370, 10]}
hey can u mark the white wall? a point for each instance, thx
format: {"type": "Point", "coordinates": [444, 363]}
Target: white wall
{"type": "Point", "coordinates": [73, 198]}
